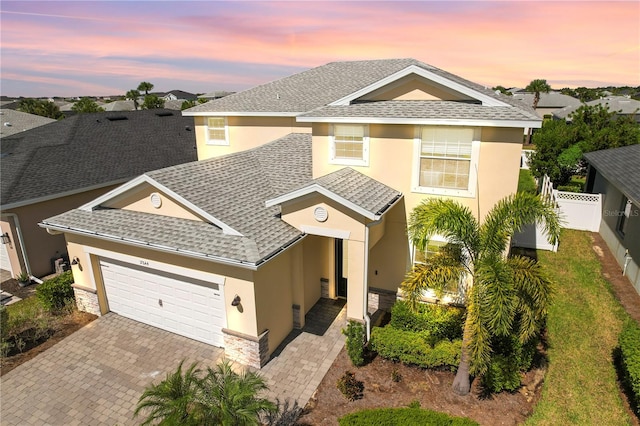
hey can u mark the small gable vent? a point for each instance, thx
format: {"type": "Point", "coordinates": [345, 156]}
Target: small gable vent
{"type": "Point", "coordinates": [117, 118]}
{"type": "Point", "coordinates": [164, 114]}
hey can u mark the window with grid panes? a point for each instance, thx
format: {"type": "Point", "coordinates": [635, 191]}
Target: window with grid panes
{"type": "Point", "coordinates": [216, 131]}
{"type": "Point", "coordinates": [350, 144]}
{"type": "Point", "coordinates": [445, 157]}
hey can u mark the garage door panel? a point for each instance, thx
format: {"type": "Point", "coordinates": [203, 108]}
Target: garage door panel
{"type": "Point", "coordinates": [190, 307]}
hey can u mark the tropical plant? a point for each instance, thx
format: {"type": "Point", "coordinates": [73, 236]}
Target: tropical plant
{"type": "Point", "coordinates": [145, 86]}
{"type": "Point", "coordinates": [152, 102]}
{"type": "Point", "coordinates": [42, 108]}
{"type": "Point", "coordinates": [133, 95]}
{"type": "Point", "coordinates": [506, 295]}
{"type": "Point", "coordinates": [355, 342]}
{"type": "Point", "coordinates": [86, 105]}
{"type": "Point", "coordinates": [220, 397]}
{"type": "Point", "coordinates": [536, 87]}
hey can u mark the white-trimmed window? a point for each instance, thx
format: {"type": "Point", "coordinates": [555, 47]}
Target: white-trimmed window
{"type": "Point", "coordinates": [623, 216]}
{"type": "Point", "coordinates": [446, 160]}
{"type": "Point", "coordinates": [217, 133]}
{"type": "Point", "coordinates": [349, 144]}
{"type": "Point", "coordinates": [434, 245]}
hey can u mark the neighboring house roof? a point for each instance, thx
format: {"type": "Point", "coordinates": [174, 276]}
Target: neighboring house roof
{"type": "Point", "coordinates": [17, 121]}
{"type": "Point", "coordinates": [620, 167]}
{"type": "Point", "coordinates": [91, 150]}
{"type": "Point", "coordinates": [127, 105]}
{"type": "Point", "coordinates": [181, 95]}
{"type": "Point", "coordinates": [620, 104]}
{"type": "Point", "coordinates": [234, 190]}
{"type": "Point", "coordinates": [175, 104]}
{"type": "Point", "coordinates": [332, 82]}
{"type": "Point", "coordinates": [398, 111]}
{"type": "Point", "coordinates": [548, 100]}
{"type": "Point", "coordinates": [215, 95]}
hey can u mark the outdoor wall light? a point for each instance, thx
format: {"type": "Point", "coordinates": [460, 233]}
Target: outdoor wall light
{"type": "Point", "coordinates": [5, 238]}
{"type": "Point", "coordinates": [235, 301]}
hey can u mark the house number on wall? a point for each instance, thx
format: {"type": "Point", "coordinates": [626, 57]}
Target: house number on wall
{"type": "Point", "coordinates": [144, 263]}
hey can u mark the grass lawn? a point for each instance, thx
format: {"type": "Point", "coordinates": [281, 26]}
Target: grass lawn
{"type": "Point", "coordinates": [583, 326]}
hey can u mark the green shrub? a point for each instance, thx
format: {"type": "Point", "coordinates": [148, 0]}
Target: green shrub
{"type": "Point", "coordinates": [526, 183]}
{"type": "Point", "coordinates": [629, 341]}
{"type": "Point", "coordinates": [56, 293]}
{"type": "Point", "coordinates": [438, 322]}
{"type": "Point", "coordinates": [509, 359]}
{"type": "Point", "coordinates": [355, 342]}
{"type": "Point", "coordinates": [350, 387]}
{"type": "Point", "coordinates": [402, 417]}
{"type": "Point", "coordinates": [411, 347]}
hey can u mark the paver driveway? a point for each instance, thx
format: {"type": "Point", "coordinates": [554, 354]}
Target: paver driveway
{"type": "Point", "coordinates": [96, 375]}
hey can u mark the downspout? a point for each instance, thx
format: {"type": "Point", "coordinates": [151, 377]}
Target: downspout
{"type": "Point", "coordinates": [365, 298]}
{"type": "Point", "coordinates": [627, 259]}
{"type": "Point", "coordinates": [16, 223]}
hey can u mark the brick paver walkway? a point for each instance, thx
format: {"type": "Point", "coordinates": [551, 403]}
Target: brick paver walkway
{"type": "Point", "coordinates": [96, 375]}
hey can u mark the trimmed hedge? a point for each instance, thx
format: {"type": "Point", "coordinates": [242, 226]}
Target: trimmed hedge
{"type": "Point", "coordinates": [56, 293]}
{"type": "Point", "coordinates": [402, 417]}
{"type": "Point", "coordinates": [355, 342]}
{"type": "Point", "coordinates": [438, 322]}
{"type": "Point", "coordinates": [411, 347]}
{"type": "Point", "coordinates": [629, 341]}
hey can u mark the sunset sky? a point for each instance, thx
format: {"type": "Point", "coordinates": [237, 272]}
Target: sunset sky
{"type": "Point", "coordinates": [75, 48]}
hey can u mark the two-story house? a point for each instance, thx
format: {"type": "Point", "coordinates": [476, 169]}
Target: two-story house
{"type": "Point", "coordinates": [302, 190]}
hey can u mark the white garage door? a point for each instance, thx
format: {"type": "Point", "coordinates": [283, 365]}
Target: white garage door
{"type": "Point", "coordinates": [181, 305]}
{"type": "Point", "coordinates": [4, 258]}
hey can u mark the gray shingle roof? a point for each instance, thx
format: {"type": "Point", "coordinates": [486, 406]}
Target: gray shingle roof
{"type": "Point", "coordinates": [363, 191]}
{"type": "Point", "coordinates": [89, 150]}
{"type": "Point", "coordinates": [322, 85]}
{"type": "Point", "coordinates": [13, 122]}
{"type": "Point", "coordinates": [231, 188]}
{"type": "Point", "coordinates": [421, 110]}
{"type": "Point", "coordinates": [619, 104]}
{"type": "Point", "coordinates": [548, 100]}
{"type": "Point", "coordinates": [620, 166]}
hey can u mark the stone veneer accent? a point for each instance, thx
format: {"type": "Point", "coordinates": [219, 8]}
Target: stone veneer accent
{"type": "Point", "coordinates": [324, 288]}
{"type": "Point", "coordinates": [297, 323]}
{"type": "Point", "coordinates": [381, 299]}
{"type": "Point", "coordinates": [247, 350]}
{"type": "Point", "coordinates": [86, 299]}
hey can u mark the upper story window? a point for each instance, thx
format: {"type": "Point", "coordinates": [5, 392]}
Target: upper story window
{"type": "Point", "coordinates": [217, 131]}
{"type": "Point", "coordinates": [446, 161]}
{"type": "Point", "coordinates": [349, 144]}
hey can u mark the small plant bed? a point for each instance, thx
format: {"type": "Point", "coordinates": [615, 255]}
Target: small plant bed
{"type": "Point", "coordinates": [39, 321]}
{"type": "Point", "coordinates": [389, 384]}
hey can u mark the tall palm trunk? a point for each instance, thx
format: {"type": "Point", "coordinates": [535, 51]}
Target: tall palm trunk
{"type": "Point", "coordinates": [461, 383]}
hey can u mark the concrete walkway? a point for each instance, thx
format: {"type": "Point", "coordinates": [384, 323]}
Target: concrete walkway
{"type": "Point", "coordinates": [96, 375]}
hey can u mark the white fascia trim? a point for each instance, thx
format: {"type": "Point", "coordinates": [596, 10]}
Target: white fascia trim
{"type": "Point", "coordinates": [424, 121]}
{"type": "Point", "coordinates": [240, 114]}
{"type": "Point", "coordinates": [414, 69]}
{"type": "Point", "coordinates": [61, 194]}
{"type": "Point", "coordinates": [326, 232]}
{"type": "Point", "coordinates": [146, 179]}
{"type": "Point", "coordinates": [323, 191]}
{"type": "Point", "coordinates": [142, 244]}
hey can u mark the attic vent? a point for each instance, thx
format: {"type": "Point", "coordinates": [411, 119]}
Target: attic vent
{"type": "Point", "coordinates": [117, 118]}
{"type": "Point", "coordinates": [164, 114]}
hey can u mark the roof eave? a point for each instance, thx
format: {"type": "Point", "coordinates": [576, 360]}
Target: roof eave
{"type": "Point", "coordinates": [187, 113]}
{"type": "Point", "coordinates": [533, 123]}
{"type": "Point", "coordinates": [135, 243]}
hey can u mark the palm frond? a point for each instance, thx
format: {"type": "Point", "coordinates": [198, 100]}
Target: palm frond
{"type": "Point", "coordinates": [476, 333]}
{"type": "Point", "coordinates": [498, 302]}
{"type": "Point", "coordinates": [510, 214]}
{"type": "Point", "coordinates": [447, 218]}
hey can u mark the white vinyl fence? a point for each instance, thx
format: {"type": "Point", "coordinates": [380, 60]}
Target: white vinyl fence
{"type": "Point", "coordinates": [576, 210]}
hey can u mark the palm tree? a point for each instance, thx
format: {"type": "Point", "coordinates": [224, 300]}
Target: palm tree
{"type": "Point", "coordinates": [231, 398]}
{"type": "Point", "coordinates": [505, 295]}
{"type": "Point", "coordinates": [221, 397]}
{"type": "Point", "coordinates": [133, 95]}
{"type": "Point", "coordinates": [145, 86]}
{"type": "Point", "coordinates": [537, 86]}
{"type": "Point", "coordinates": [172, 401]}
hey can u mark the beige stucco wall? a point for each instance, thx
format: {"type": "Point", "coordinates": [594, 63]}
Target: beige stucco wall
{"type": "Point", "coordinates": [138, 199]}
{"type": "Point", "coordinates": [40, 245]}
{"type": "Point", "coordinates": [14, 252]}
{"type": "Point", "coordinates": [318, 264]}
{"type": "Point", "coordinates": [245, 133]}
{"type": "Point", "coordinates": [391, 161]}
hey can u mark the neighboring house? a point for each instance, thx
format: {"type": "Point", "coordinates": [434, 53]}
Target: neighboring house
{"type": "Point", "coordinates": [621, 105]}
{"type": "Point", "coordinates": [64, 164]}
{"type": "Point", "coordinates": [215, 95]}
{"type": "Point", "coordinates": [126, 105]}
{"type": "Point", "coordinates": [616, 174]}
{"type": "Point", "coordinates": [549, 102]}
{"type": "Point", "coordinates": [302, 191]}
{"type": "Point", "coordinates": [17, 121]}
{"type": "Point", "coordinates": [175, 95]}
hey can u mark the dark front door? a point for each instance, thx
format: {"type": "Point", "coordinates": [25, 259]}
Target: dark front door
{"type": "Point", "coordinates": [340, 261]}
